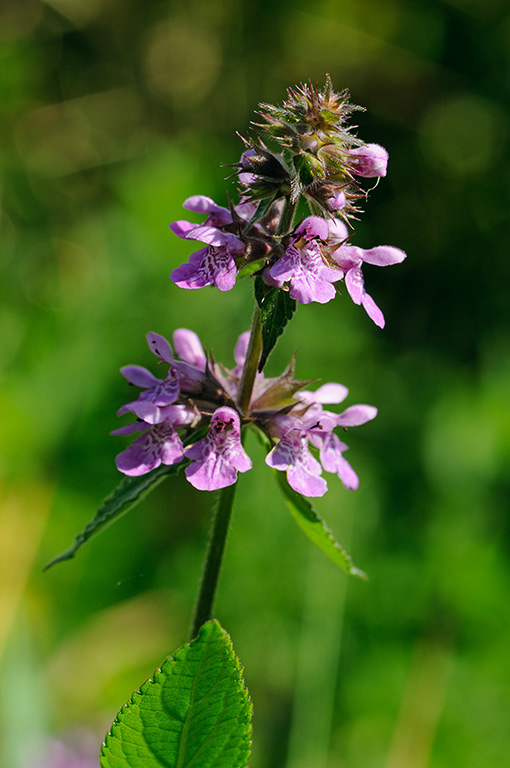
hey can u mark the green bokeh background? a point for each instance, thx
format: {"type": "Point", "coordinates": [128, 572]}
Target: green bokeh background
{"type": "Point", "coordinates": [112, 113]}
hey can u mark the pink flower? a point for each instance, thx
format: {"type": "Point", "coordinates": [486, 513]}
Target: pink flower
{"type": "Point", "coordinates": [294, 418]}
{"type": "Point", "coordinates": [350, 258]}
{"type": "Point", "coordinates": [159, 442]}
{"type": "Point", "coordinates": [312, 424]}
{"type": "Point", "coordinates": [219, 455]}
{"type": "Point", "coordinates": [292, 456]}
{"type": "Point", "coordinates": [303, 267]}
{"type": "Point", "coordinates": [156, 391]}
{"type": "Point", "coordinates": [212, 264]}
{"type": "Point", "coordinates": [369, 160]}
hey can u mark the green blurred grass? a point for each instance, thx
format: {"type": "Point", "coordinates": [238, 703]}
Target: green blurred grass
{"type": "Point", "coordinates": [110, 116]}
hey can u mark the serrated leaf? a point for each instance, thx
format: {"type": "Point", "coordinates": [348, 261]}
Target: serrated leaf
{"type": "Point", "coordinates": [123, 498]}
{"type": "Point", "coordinates": [276, 309]}
{"type": "Point", "coordinates": [315, 528]}
{"type": "Point", "coordinates": [194, 713]}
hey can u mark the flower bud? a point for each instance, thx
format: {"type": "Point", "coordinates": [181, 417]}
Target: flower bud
{"type": "Point", "coordinates": [369, 160]}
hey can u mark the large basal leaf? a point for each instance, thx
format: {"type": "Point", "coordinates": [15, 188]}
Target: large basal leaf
{"type": "Point", "coordinates": [276, 308]}
{"type": "Point", "coordinates": [315, 528]}
{"type": "Point", "coordinates": [125, 496]}
{"type": "Point", "coordinates": [194, 713]}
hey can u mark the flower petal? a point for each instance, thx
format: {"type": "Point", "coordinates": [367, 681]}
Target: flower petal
{"type": "Point", "coordinates": [189, 348]}
{"type": "Point", "coordinates": [241, 348]}
{"type": "Point", "coordinates": [204, 204]}
{"type": "Point", "coordinates": [328, 394]}
{"type": "Point", "coordinates": [373, 310]}
{"type": "Point", "coordinates": [181, 228]}
{"type": "Point", "coordinates": [347, 475]}
{"type": "Point", "coordinates": [160, 346]}
{"type": "Point", "coordinates": [356, 415]}
{"type": "Point", "coordinates": [370, 160]}
{"type": "Point", "coordinates": [355, 285]}
{"type": "Point", "coordinates": [383, 255]}
{"type": "Point", "coordinates": [158, 445]}
{"type": "Point", "coordinates": [302, 482]}
{"type": "Point", "coordinates": [313, 226]}
{"type": "Point", "coordinates": [139, 376]}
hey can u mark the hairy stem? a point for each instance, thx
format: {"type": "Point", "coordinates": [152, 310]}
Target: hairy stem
{"type": "Point", "coordinates": [251, 362]}
{"type": "Point", "coordinates": [213, 558]}
{"type": "Point", "coordinates": [287, 217]}
{"type": "Point", "coordinates": [225, 500]}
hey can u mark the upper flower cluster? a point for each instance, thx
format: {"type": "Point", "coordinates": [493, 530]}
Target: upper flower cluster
{"type": "Point", "coordinates": [323, 156]}
{"type": "Point", "coordinates": [316, 157]}
{"type": "Point", "coordinates": [192, 414]}
{"type": "Point", "coordinates": [306, 263]}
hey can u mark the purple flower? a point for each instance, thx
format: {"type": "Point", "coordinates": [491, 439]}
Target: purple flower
{"type": "Point", "coordinates": [219, 455]}
{"type": "Point", "coordinates": [217, 215]}
{"type": "Point", "coordinates": [159, 443]}
{"type": "Point", "coordinates": [308, 423]}
{"type": "Point", "coordinates": [156, 391]}
{"type": "Point", "coordinates": [293, 417]}
{"type": "Point", "coordinates": [193, 362]}
{"type": "Point", "coordinates": [320, 430]}
{"type": "Point", "coordinates": [213, 264]}
{"type": "Point", "coordinates": [350, 258]}
{"type": "Point", "coordinates": [303, 267]}
{"type": "Point", "coordinates": [292, 456]}
{"type": "Point", "coordinates": [331, 450]}
{"type": "Point", "coordinates": [336, 201]}
{"type": "Point", "coordinates": [369, 160]}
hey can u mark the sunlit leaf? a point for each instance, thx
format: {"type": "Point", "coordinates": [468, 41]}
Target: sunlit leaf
{"type": "Point", "coordinates": [276, 308]}
{"type": "Point", "coordinates": [195, 711]}
{"type": "Point", "coordinates": [125, 496]}
{"type": "Point", "coordinates": [314, 527]}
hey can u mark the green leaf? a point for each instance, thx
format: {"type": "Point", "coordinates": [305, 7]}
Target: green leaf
{"type": "Point", "coordinates": [315, 528]}
{"type": "Point", "coordinates": [251, 268]}
{"type": "Point", "coordinates": [194, 713]}
{"type": "Point", "coordinates": [276, 308]}
{"type": "Point", "coordinates": [125, 496]}
{"type": "Point", "coordinates": [261, 210]}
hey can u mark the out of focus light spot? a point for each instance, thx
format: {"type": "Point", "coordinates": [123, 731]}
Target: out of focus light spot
{"type": "Point", "coordinates": [469, 429]}
{"type": "Point", "coordinates": [19, 19]}
{"type": "Point", "coordinates": [23, 514]}
{"type": "Point", "coordinates": [112, 643]}
{"type": "Point", "coordinates": [182, 62]}
{"type": "Point", "coordinates": [82, 133]}
{"type": "Point", "coordinates": [464, 134]}
{"type": "Point", "coordinates": [80, 12]}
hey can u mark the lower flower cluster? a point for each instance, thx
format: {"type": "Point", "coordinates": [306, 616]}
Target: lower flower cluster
{"type": "Point", "coordinates": [192, 415]}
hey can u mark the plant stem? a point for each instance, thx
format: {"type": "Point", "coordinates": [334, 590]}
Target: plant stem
{"type": "Point", "coordinates": [213, 557]}
{"type": "Point", "coordinates": [251, 362]}
{"type": "Point", "coordinates": [287, 217]}
{"type": "Point", "coordinates": [225, 500]}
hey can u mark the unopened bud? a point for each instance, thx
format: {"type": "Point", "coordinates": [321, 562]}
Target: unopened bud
{"type": "Point", "coordinates": [369, 160]}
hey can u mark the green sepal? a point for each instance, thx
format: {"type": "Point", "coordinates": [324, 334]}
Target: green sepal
{"type": "Point", "coordinates": [315, 528]}
{"type": "Point", "coordinates": [195, 711]}
{"type": "Point", "coordinates": [279, 392]}
{"type": "Point", "coordinates": [125, 496]}
{"type": "Point", "coordinates": [251, 268]}
{"type": "Point", "coordinates": [276, 308]}
{"type": "Point", "coordinates": [308, 168]}
{"type": "Point", "coordinates": [268, 197]}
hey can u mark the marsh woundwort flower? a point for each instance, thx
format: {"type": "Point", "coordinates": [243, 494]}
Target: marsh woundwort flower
{"type": "Point", "coordinates": [291, 418]}
{"type": "Point", "coordinates": [314, 155]}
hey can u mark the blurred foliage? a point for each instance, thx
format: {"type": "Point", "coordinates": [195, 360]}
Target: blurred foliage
{"type": "Point", "coordinates": [111, 113]}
